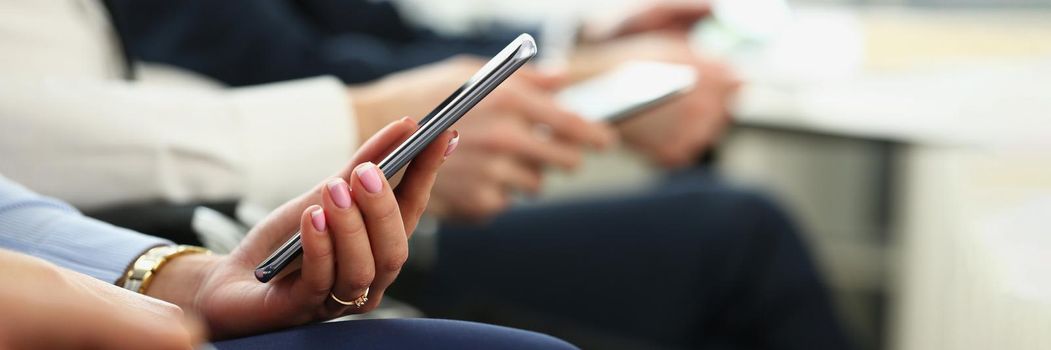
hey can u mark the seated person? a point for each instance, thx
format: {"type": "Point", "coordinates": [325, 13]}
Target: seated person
{"type": "Point", "coordinates": [354, 243]}
{"type": "Point", "coordinates": [146, 142]}
{"type": "Point", "coordinates": [625, 238]}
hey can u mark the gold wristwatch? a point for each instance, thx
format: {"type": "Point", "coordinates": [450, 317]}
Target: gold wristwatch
{"type": "Point", "coordinates": [141, 272]}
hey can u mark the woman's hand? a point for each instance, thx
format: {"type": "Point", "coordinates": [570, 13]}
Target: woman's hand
{"type": "Point", "coordinates": [515, 132]}
{"type": "Point", "coordinates": [48, 307]}
{"type": "Point", "coordinates": [355, 237]}
{"type": "Point", "coordinates": [504, 156]}
{"type": "Point", "coordinates": [675, 133]}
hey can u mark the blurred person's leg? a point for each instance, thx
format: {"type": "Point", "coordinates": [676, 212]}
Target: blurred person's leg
{"type": "Point", "coordinates": [398, 334]}
{"type": "Point", "coordinates": [691, 264]}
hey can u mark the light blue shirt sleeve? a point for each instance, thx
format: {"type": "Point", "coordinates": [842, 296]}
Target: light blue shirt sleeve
{"type": "Point", "coordinates": [54, 231]}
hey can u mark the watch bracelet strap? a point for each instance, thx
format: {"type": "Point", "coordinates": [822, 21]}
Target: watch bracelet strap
{"type": "Point", "coordinates": [141, 272]}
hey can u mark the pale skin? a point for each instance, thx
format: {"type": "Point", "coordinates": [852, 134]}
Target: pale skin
{"type": "Point", "coordinates": [505, 154]}
{"type": "Point", "coordinates": [676, 133]}
{"type": "Point", "coordinates": [358, 246]}
{"type": "Point", "coordinates": [54, 308]}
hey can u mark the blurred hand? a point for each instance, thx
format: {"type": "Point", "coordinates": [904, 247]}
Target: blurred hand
{"type": "Point", "coordinates": [676, 133]}
{"type": "Point", "coordinates": [499, 154]}
{"type": "Point", "coordinates": [508, 138]}
{"type": "Point", "coordinates": [676, 16]}
{"type": "Point", "coordinates": [353, 238]}
{"type": "Point", "coordinates": [48, 307]}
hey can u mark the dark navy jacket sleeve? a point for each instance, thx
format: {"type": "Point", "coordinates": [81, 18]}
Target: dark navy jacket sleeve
{"type": "Point", "coordinates": [244, 42]}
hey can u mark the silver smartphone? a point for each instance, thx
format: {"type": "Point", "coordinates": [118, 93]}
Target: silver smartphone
{"type": "Point", "coordinates": [441, 118]}
{"type": "Point", "coordinates": [627, 90]}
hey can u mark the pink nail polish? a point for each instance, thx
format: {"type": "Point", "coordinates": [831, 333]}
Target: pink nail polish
{"type": "Point", "coordinates": [369, 176]}
{"type": "Point", "coordinates": [453, 143]}
{"type": "Point", "coordinates": [338, 189]}
{"type": "Point", "coordinates": [317, 217]}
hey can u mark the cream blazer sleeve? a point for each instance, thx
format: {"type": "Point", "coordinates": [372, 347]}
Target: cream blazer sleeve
{"type": "Point", "coordinates": [95, 143]}
{"type": "Point", "coordinates": [72, 129]}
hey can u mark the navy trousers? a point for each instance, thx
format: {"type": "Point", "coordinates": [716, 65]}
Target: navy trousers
{"type": "Point", "coordinates": [398, 334]}
{"type": "Point", "coordinates": [690, 264]}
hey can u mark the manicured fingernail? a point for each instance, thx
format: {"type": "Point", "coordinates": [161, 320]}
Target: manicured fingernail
{"type": "Point", "coordinates": [369, 176]}
{"type": "Point", "coordinates": [453, 143]}
{"type": "Point", "coordinates": [317, 217]}
{"type": "Point", "coordinates": [340, 193]}
{"type": "Point", "coordinates": [408, 119]}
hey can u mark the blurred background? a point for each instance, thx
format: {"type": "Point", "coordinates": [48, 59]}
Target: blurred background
{"type": "Point", "coordinates": [911, 138]}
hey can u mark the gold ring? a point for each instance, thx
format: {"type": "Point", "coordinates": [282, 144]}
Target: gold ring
{"type": "Point", "coordinates": [357, 302]}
